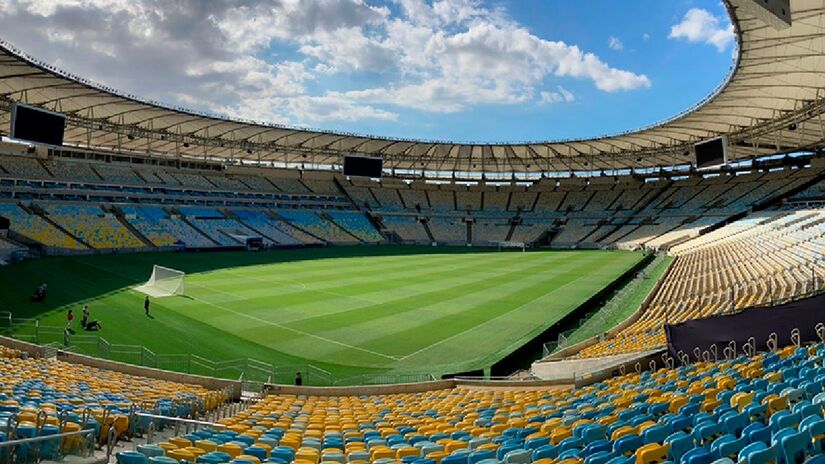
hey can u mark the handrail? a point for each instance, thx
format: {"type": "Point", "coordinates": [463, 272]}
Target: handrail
{"type": "Point", "coordinates": [45, 437]}
{"type": "Point", "coordinates": [181, 420]}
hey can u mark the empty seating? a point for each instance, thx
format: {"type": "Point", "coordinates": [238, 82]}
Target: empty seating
{"type": "Point", "coordinates": [742, 409]}
{"type": "Point", "coordinates": [37, 229]}
{"type": "Point", "coordinates": [763, 259]}
{"type": "Point", "coordinates": [92, 225]}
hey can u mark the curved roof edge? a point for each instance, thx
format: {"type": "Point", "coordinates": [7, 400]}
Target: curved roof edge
{"type": "Point", "coordinates": [752, 105]}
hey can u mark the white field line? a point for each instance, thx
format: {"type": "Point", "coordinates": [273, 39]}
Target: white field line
{"type": "Point", "coordinates": [488, 321]}
{"type": "Point", "coordinates": [304, 286]}
{"type": "Point", "coordinates": [257, 319]}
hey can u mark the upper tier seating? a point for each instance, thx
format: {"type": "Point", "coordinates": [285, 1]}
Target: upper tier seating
{"type": "Point", "coordinates": [528, 232]}
{"type": "Point", "coordinates": [357, 224]}
{"type": "Point", "coordinates": [219, 228]}
{"type": "Point", "coordinates": [448, 230]}
{"type": "Point", "coordinates": [89, 223]}
{"type": "Point", "coordinates": [407, 227]}
{"type": "Point", "coordinates": [153, 223]}
{"type": "Point", "coordinates": [268, 226]}
{"type": "Point", "coordinates": [37, 229]}
{"type": "Point", "coordinates": [117, 174]}
{"type": "Point", "coordinates": [73, 170]}
{"type": "Point", "coordinates": [23, 167]}
{"type": "Point", "coordinates": [288, 185]}
{"type": "Point", "coordinates": [388, 198]}
{"type": "Point", "coordinates": [318, 226]}
{"type": "Point", "coordinates": [468, 201]}
{"type": "Point", "coordinates": [362, 197]}
{"type": "Point", "coordinates": [226, 182]}
{"type": "Point", "coordinates": [192, 180]}
{"type": "Point", "coordinates": [761, 260]}
{"type": "Point", "coordinates": [486, 231]}
{"type": "Point", "coordinates": [441, 200]}
{"type": "Point", "coordinates": [765, 409]}
{"type": "Point", "coordinates": [413, 198]}
{"type": "Point", "coordinates": [323, 187]}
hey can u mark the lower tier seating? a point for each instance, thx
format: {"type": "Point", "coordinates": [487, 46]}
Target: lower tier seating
{"type": "Point", "coordinates": [764, 409]}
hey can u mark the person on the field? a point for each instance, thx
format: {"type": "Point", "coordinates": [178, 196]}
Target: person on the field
{"type": "Point", "coordinates": [146, 305]}
{"type": "Point", "coordinates": [298, 379]}
{"type": "Point", "coordinates": [84, 316]}
{"type": "Point", "coordinates": [69, 319]}
{"type": "Point", "coordinates": [92, 325]}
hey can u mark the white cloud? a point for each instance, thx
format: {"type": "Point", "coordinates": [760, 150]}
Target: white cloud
{"type": "Point", "coordinates": [646, 36]}
{"type": "Point", "coordinates": [615, 43]}
{"type": "Point", "coordinates": [440, 56]}
{"type": "Point", "coordinates": [700, 26]}
{"type": "Point", "coordinates": [560, 95]}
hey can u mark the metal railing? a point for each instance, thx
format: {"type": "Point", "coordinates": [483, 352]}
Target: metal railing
{"type": "Point", "coordinates": [610, 308]}
{"type": "Point", "coordinates": [385, 379]}
{"type": "Point", "coordinates": [251, 371]}
{"type": "Point", "coordinates": [48, 447]}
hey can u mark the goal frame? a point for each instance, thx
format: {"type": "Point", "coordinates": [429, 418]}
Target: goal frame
{"type": "Point", "coordinates": [164, 282]}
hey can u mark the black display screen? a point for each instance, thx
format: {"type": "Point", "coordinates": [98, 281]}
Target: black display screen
{"type": "Point", "coordinates": [363, 167]}
{"type": "Point", "coordinates": [710, 153]}
{"type": "Point", "coordinates": [37, 125]}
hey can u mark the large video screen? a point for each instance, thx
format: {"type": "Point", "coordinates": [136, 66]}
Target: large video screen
{"type": "Point", "coordinates": [711, 153]}
{"type": "Point", "coordinates": [37, 125]}
{"type": "Point", "coordinates": [360, 166]}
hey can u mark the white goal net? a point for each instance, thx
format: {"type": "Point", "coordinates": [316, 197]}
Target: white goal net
{"type": "Point", "coordinates": [163, 282]}
{"type": "Point", "coordinates": [511, 244]}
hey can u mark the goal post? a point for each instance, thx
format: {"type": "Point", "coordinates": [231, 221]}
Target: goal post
{"type": "Point", "coordinates": [164, 281]}
{"type": "Point", "coordinates": [505, 244]}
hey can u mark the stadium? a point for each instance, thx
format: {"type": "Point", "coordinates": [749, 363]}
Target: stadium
{"type": "Point", "coordinates": [181, 286]}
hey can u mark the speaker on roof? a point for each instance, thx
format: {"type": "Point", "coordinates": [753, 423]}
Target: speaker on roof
{"type": "Point", "coordinates": [32, 124]}
{"type": "Point", "coordinates": [362, 166]}
{"type": "Point", "coordinates": [711, 153]}
{"type": "Point", "coordinates": [775, 13]}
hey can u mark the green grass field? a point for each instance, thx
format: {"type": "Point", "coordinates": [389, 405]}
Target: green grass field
{"type": "Point", "coordinates": [348, 310]}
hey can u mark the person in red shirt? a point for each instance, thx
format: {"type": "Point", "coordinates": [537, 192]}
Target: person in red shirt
{"type": "Point", "coordinates": [69, 319]}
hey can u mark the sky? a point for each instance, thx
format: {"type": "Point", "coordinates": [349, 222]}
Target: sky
{"type": "Point", "coordinates": [459, 70]}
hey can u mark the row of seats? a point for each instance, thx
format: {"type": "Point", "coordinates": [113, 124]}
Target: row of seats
{"type": "Point", "coordinates": [759, 410]}
{"type": "Point", "coordinates": [356, 224]}
{"type": "Point", "coordinates": [37, 229]}
{"type": "Point", "coordinates": [318, 226]}
{"type": "Point", "coordinates": [93, 226]}
{"type": "Point", "coordinates": [761, 260]}
{"type": "Point", "coordinates": [42, 397]}
{"type": "Point", "coordinates": [27, 167]}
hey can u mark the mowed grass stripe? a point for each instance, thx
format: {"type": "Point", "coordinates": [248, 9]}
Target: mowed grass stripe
{"type": "Point", "coordinates": [511, 291]}
{"type": "Point", "coordinates": [355, 333]}
{"type": "Point", "coordinates": [267, 306]}
{"type": "Point", "coordinates": [298, 274]}
{"type": "Point", "coordinates": [453, 299]}
{"type": "Point", "coordinates": [361, 290]}
{"type": "Point", "coordinates": [464, 282]}
{"type": "Point", "coordinates": [344, 282]}
{"type": "Point", "coordinates": [519, 324]}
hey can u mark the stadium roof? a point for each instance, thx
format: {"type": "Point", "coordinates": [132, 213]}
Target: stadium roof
{"type": "Point", "coordinates": [772, 102]}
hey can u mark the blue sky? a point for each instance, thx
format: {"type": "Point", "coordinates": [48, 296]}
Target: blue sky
{"type": "Point", "coordinates": [445, 69]}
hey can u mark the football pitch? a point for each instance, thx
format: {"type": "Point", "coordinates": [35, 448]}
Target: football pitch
{"type": "Point", "coordinates": [348, 310]}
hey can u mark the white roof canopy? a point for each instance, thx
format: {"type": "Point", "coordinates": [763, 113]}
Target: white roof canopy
{"type": "Point", "coordinates": [772, 103]}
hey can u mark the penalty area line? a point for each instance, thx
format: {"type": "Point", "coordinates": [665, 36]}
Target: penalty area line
{"type": "Point", "coordinates": [255, 318]}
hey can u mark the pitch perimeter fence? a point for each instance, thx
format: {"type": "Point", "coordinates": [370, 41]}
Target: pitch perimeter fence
{"type": "Point", "coordinates": [252, 371]}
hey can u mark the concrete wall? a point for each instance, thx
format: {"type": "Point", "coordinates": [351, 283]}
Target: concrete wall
{"type": "Point", "coordinates": [30, 348]}
{"type": "Point", "coordinates": [416, 387]}
{"type": "Point", "coordinates": [211, 383]}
